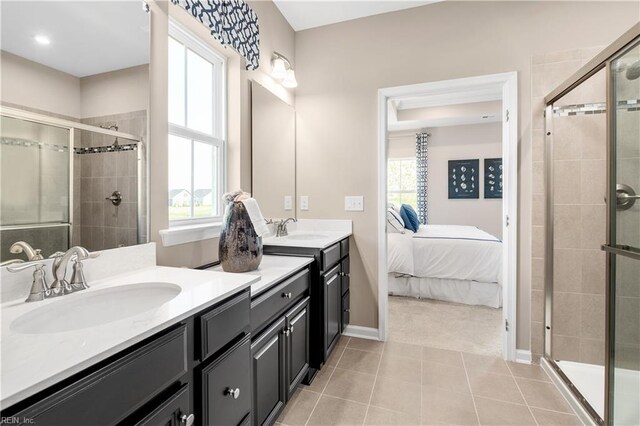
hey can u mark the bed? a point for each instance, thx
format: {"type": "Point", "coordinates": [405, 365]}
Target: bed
{"type": "Point", "coordinates": [454, 263]}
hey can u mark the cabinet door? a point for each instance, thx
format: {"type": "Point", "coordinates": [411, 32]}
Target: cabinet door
{"type": "Point", "coordinates": [333, 308]}
{"type": "Point", "coordinates": [297, 344]}
{"type": "Point", "coordinates": [268, 364]}
{"type": "Point", "coordinates": [175, 411]}
{"type": "Point", "coordinates": [226, 385]}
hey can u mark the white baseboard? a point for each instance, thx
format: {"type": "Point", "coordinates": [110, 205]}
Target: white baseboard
{"type": "Point", "coordinates": [523, 356]}
{"type": "Point", "coordinates": [361, 332]}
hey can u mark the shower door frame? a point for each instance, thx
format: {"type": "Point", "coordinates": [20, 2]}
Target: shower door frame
{"type": "Point", "coordinates": [598, 63]}
{"type": "Point", "coordinates": [72, 126]}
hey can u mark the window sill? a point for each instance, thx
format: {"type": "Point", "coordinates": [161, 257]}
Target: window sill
{"type": "Point", "coordinates": [190, 233]}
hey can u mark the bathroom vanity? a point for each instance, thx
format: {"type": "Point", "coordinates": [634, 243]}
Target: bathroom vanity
{"type": "Point", "coordinates": [154, 345]}
{"type": "Point", "coordinates": [327, 243]}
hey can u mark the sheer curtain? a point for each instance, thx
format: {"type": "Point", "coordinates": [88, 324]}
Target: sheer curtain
{"type": "Point", "coordinates": [421, 175]}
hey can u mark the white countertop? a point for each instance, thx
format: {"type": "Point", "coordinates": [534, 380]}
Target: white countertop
{"type": "Point", "coordinates": [33, 362]}
{"type": "Point", "coordinates": [272, 270]}
{"type": "Point", "coordinates": [312, 233]}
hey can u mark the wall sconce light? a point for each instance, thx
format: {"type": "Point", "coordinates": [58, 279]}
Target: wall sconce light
{"type": "Point", "coordinates": [282, 70]}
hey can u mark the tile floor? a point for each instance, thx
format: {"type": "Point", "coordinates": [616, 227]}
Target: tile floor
{"type": "Point", "coordinates": [375, 383]}
{"type": "Point", "coordinates": [465, 328]}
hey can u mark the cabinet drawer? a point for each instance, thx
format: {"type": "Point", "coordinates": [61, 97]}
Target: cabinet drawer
{"type": "Point", "coordinates": [223, 324]}
{"type": "Point", "coordinates": [330, 256]}
{"type": "Point", "coordinates": [110, 394]}
{"type": "Point", "coordinates": [344, 247]}
{"type": "Point", "coordinates": [226, 386]}
{"type": "Point", "coordinates": [276, 300]}
{"type": "Point", "coordinates": [170, 411]}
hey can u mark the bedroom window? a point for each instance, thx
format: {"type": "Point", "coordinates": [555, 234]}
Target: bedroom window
{"type": "Point", "coordinates": [401, 181]}
{"type": "Point", "coordinates": [197, 130]}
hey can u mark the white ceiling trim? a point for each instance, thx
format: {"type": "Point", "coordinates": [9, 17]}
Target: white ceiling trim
{"type": "Point", "coordinates": [487, 94]}
{"type": "Point", "coordinates": [440, 122]}
{"type": "Point", "coordinates": [305, 14]}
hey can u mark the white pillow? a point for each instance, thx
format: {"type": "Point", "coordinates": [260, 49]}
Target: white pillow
{"type": "Point", "coordinates": [394, 221]}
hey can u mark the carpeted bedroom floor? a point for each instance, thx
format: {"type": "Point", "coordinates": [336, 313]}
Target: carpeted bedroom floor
{"type": "Point", "coordinates": [473, 329]}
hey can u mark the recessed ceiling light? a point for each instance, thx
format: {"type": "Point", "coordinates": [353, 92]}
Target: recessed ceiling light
{"type": "Point", "coordinates": [43, 40]}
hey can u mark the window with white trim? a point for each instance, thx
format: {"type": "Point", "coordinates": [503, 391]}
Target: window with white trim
{"type": "Point", "coordinates": [197, 130]}
{"type": "Point", "coordinates": [401, 181]}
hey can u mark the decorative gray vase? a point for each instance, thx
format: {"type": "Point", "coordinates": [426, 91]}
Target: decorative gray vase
{"type": "Point", "coordinates": [240, 248]}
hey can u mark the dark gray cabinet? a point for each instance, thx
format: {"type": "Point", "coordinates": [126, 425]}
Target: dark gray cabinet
{"type": "Point", "coordinates": [268, 373]}
{"type": "Point", "coordinates": [195, 372]}
{"type": "Point", "coordinates": [226, 386]}
{"type": "Point", "coordinates": [280, 346]}
{"type": "Point", "coordinates": [329, 309]}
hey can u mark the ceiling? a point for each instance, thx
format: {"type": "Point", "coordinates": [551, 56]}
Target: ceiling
{"type": "Point", "coordinates": [305, 14]}
{"type": "Point", "coordinates": [87, 38]}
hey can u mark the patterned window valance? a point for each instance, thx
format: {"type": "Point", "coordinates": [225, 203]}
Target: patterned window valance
{"type": "Point", "coordinates": [231, 22]}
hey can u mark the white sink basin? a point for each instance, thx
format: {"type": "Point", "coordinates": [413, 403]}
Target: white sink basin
{"type": "Point", "coordinates": [87, 309]}
{"type": "Point", "coordinates": [305, 236]}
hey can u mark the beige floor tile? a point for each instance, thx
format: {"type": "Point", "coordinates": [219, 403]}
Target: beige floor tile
{"type": "Point", "coordinates": [299, 408]}
{"type": "Point", "coordinates": [543, 395]}
{"type": "Point", "coordinates": [383, 417]}
{"type": "Point", "coordinates": [335, 411]}
{"type": "Point", "coordinates": [406, 350]}
{"type": "Point", "coordinates": [553, 418]}
{"type": "Point", "coordinates": [528, 371]}
{"type": "Point", "coordinates": [406, 369]}
{"type": "Point", "coordinates": [397, 395]}
{"type": "Point", "coordinates": [321, 380]}
{"type": "Point", "coordinates": [347, 384]}
{"type": "Point", "coordinates": [483, 363]}
{"type": "Point", "coordinates": [440, 406]}
{"type": "Point", "coordinates": [335, 356]}
{"type": "Point", "coordinates": [365, 344]}
{"type": "Point", "coordinates": [495, 386]}
{"type": "Point", "coordinates": [344, 340]}
{"type": "Point", "coordinates": [361, 361]}
{"type": "Point", "coordinates": [443, 356]}
{"type": "Point", "coordinates": [444, 376]}
{"type": "Point", "coordinates": [493, 412]}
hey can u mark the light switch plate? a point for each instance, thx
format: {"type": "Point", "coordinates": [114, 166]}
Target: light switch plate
{"type": "Point", "coordinates": [354, 203]}
{"type": "Point", "coordinates": [288, 202]}
{"type": "Point", "coordinates": [304, 202]}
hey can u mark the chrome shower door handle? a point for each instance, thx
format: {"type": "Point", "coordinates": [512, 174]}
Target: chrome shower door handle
{"type": "Point", "coordinates": [115, 198]}
{"type": "Point", "coordinates": [625, 197]}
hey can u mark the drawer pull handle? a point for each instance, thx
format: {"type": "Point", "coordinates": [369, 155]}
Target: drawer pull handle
{"type": "Point", "coordinates": [347, 310]}
{"type": "Point", "coordinates": [187, 420]}
{"type": "Point", "coordinates": [342, 274]}
{"type": "Point", "coordinates": [233, 393]}
{"type": "Point", "coordinates": [287, 295]}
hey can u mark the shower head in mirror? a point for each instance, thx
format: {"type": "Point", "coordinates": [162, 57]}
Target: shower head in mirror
{"type": "Point", "coordinates": [633, 71]}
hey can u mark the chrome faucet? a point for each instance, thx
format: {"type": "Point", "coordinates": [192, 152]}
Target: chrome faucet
{"type": "Point", "coordinates": [281, 227]}
{"type": "Point", "coordinates": [24, 247]}
{"type": "Point", "coordinates": [60, 285]}
{"type": "Point", "coordinates": [39, 289]}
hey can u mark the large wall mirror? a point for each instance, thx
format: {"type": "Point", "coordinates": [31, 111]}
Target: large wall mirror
{"type": "Point", "coordinates": [74, 107]}
{"type": "Point", "coordinates": [273, 172]}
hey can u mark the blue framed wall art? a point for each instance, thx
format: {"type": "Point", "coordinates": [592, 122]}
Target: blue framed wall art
{"type": "Point", "coordinates": [463, 179]}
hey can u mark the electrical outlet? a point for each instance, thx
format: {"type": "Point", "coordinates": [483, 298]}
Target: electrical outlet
{"type": "Point", "coordinates": [354, 203]}
{"type": "Point", "coordinates": [304, 202]}
{"type": "Point", "coordinates": [288, 202]}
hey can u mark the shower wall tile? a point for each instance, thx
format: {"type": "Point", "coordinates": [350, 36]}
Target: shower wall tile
{"type": "Point", "coordinates": [593, 182]}
{"type": "Point", "coordinates": [593, 271]}
{"type": "Point", "coordinates": [593, 316]}
{"type": "Point", "coordinates": [537, 241]}
{"type": "Point", "coordinates": [567, 181]}
{"type": "Point", "coordinates": [547, 76]}
{"type": "Point", "coordinates": [537, 305]}
{"type": "Point", "coordinates": [566, 347]}
{"type": "Point", "coordinates": [537, 145]}
{"type": "Point", "coordinates": [537, 273]}
{"type": "Point", "coordinates": [538, 177]}
{"type": "Point", "coordinates": [567, 270]}
{"type": "Point", "coordinates": [566, 314]}
{"type": "Point", "coordinates": [537, 340]}
{"type": "Point", "coordinates": [593, 223]}
{"type": "Point", "coordinates": [567, 226]}
{"type": "Point", "coordinates": [592, 351]}
{"type": "Point", "coordinates": [538, 210]}
{"type": "Point", "coordinates": [571, 146]}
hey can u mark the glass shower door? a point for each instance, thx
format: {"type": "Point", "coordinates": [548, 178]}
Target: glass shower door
{"type": "Point", "coordinates": [624, 248]}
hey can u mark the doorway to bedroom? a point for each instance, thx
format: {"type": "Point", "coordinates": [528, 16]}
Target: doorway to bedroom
{"type": "Point", "coordinates": [447, 274]}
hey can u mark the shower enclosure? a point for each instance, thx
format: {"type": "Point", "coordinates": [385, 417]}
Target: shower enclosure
{"type": "Point", "coordinates": [66, 183]}
{"type": "Point", "coordinates": [592, 270]}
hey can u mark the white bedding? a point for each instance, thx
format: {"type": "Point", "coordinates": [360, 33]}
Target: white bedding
{"type": "Point", "coordinates": [446, 251]}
